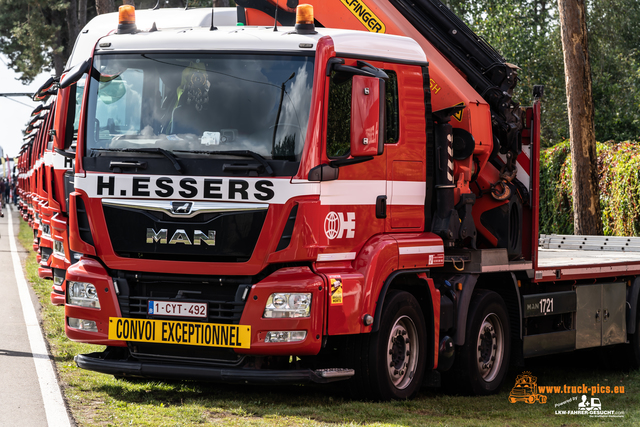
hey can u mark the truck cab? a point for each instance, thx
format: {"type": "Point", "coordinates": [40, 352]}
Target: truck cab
{"type": "Point", "coordinates": [241, 196]}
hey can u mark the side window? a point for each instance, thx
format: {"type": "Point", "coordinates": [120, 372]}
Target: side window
{"type": "Point", "coordinates": [73, 112]}
{"type": "Point", "coordinates": [339, 117]}
{"type": "Point", "coordinates": [391, 108]}
{"type": "Point", "coordinates": [119, 106]}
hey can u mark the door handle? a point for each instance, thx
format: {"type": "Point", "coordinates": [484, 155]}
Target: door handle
{"type": "Point", "coordinates": [381, 207]}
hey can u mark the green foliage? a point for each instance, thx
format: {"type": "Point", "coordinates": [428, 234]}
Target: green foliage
{"type": "Point", "coordinates": [619, 172]}
{"type": "Point", "coordinates": [527, 34]}
{"type": "Point", "coordinates": [614, 42]}
{"type": "Point", "coordinates": [556, 211]}
{"type": "Point", "coordinates": [30, 35]}
{"type": "Point", "coordinates": [619, 184]}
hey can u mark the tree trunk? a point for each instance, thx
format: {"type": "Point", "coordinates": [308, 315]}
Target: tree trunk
{"type": "Point", "coordinates": [105, 6]}
{"type": "Point", "coordinates": [82, 14]}
{"type": "Point", "coordinates": [72, 19]}
{"type": "Point", "coordinates": [221, 3]}
{"type": "Point", "coordinates": [586, 201]}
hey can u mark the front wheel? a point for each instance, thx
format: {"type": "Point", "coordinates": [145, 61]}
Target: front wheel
{"type": "Point", "coordinates": [389, 364]}
{"type": "Point", "coordinates": [483, 360]}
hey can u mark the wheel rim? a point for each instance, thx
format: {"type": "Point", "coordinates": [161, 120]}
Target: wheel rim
{"type": "Point", "coordinates": [490, 347]}
{"type": "Point", "coordinates": [402, 352]}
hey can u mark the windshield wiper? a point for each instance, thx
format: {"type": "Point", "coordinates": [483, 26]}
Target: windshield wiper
{"type": "Point", "coordinates": [239, 153]}
{"type": "Point", "coordinates": [168, 154]}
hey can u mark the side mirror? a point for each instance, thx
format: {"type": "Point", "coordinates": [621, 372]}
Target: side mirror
{"type": "Point", "coordinates": [367, 116]}
{"type": "Point", "coordinates": [75, 73]}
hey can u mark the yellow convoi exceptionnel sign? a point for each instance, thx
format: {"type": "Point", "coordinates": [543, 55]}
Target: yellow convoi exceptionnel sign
{"type": "Point", "coordinates": [365, 15]}
{"type": "Point", "coordinates": [177, 332]}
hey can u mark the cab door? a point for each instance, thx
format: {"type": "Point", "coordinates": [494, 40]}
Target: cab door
{"type": "Point", "coordinates": [355, 202]}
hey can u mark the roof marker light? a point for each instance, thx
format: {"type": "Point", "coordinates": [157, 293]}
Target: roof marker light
{"type": "Point", "coordinates": [305, 20]}
{"type": "Point", "coordinates": [126, 19]}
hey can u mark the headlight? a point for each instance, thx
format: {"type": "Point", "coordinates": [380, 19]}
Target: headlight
{"type": "Point", "coordinates": [58, 248]}
{"type": "Point", "coordinates": [285, 336]}
{"type": "Point", "coordinates": [58, 280]}
{"type": "Point", "coordinates": [85, 325]}
{"type": "Point", "coordinates": [287, 305]}
{"type": "Point", "coordinates": [82, 294]}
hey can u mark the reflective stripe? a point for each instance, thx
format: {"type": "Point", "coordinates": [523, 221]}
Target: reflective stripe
{"type": "Point", "coordinates": [421, 250]}
{"type": "Point", "coordinates": [340, 256]}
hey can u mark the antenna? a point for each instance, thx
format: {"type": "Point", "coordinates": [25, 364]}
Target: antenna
{"type": "Point", "coordinates": [156, 6]}
{"type": "Point", "coordinates": [275, 24]}
{"type": "Point", "coordinates": [186, 6]}
{"type": "Point", "coordinates": [213, 7]}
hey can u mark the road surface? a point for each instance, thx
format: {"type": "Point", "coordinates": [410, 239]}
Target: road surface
{"type": "Point", "coordinates": [29, 395]}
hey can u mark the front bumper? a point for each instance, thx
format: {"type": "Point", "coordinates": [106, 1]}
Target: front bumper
{"type": "Point", "coordinates": [250, 312]}
{"type": "Point", "coordinates": [131, 368]}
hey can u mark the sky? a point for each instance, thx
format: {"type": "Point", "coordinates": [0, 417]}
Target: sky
{"type": "Point", "coordinates": [15, 112]}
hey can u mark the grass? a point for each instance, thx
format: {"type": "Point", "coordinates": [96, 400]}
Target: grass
{"type": "Point", "coordinates": [101, 400]}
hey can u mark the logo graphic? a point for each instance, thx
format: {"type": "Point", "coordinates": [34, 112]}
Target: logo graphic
{"type": "Point", "coordinates": [181, 208]}
{"type": "Point", "coordinates": [180, 236]}
{"type": "Point", "coordinates": [526, 390]}
{"type": "Point", "coordinates": [335, 225]}
{"type": "Point", "coordinates": [591, 407]}
{"type": "Point", "coordinates": [365, 15]}
{"type": "Point", "coordinates": [586, 405]}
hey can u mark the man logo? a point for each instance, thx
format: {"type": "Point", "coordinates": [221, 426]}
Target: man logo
{"type": "Point", "coordinates": [335, 225]}
{"type": "Point", "coordinates": [181, 208]}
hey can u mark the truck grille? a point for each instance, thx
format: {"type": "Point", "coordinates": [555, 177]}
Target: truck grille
{"type": "Point", "coordinates": [225, 296]}
{"type": "Point", "coordinates": [226, 236]}
{"type": "Point", "coordinates": [219, 311]}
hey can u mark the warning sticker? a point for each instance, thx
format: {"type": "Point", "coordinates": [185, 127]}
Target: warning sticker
{"type": "Point", "coordinates": [336, 291]}
{"type": "Point", "coordinates": [458, 115]}
{"type": "Point", "coordinates": [437, 259]}
{"type": "Point", "coordinates": [179, 332]}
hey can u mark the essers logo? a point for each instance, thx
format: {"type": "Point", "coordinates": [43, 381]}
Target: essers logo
{"type": "Point", "coordinates": [185, 187]}
{"type": "Point", "coordinates": [335, 225]}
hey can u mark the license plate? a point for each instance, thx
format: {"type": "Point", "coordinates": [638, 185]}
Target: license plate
{"type": "Point", "coordinates": [177, 332]}
{"type": "Point", "coordinates": [180, 309]}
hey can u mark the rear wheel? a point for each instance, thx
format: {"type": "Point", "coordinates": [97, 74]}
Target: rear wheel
{"type": "Point", "coordinates": [482, 362]}
{"type": "Point", "coordinates": [389, 364]}
{"type": "Point", "coordinates": [634, 341]}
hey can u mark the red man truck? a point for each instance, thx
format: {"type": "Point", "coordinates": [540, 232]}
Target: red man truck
{"type": "Point", "coordinates": [290, 204]}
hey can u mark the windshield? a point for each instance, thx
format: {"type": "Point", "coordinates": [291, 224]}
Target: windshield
{"type": "Point", "coordinates": [200, 102]}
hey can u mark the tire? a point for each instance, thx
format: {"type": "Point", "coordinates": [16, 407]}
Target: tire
{"type": "Point", "coordinates": [482, 362]}
{"type": "Point", "coordinates": [390, 364]}
{"type": "Point", "coordinates": [634, 351]}
{"type": "Point", "coordinates": [623, 356]}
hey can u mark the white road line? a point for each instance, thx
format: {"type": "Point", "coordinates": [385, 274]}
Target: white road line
{"type": "Point", "coordinates": [54, 406]}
